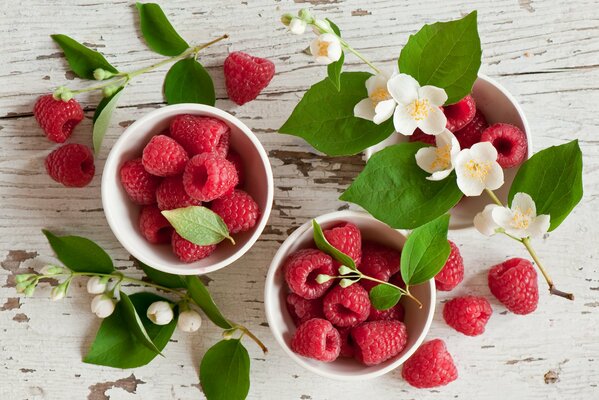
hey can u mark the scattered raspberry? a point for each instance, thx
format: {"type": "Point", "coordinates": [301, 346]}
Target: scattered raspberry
{"type": "Point", "coordinates": [246, 76]}
{"type": "Point", "coordinates": [468, 314]}
{"type": "Point", "coordinates": [378, 341]}
{"type": "Point", "coordinates": [163, 156]}
{"type": "Point", "coordinates": [430, 366]}
{"type": "Point", "coordinates": [208, 176]}
{"type": "Point", "coordinates": [189, 252]}
{"type": "Point", "coordinates": [346, 238]}
{"type": "Point", "coordinates": [379, 262]}
{"type": "Point", "coordinates": [346, 307]}
{"type": "Point", "coordinates": [471, 133]}
{"type": "Point", "coordinates": [171, 194]}
{"type": "Point", "coordinates": [347, 343]}
{"type": "Point", "coordinates": [514, 283]}
{"type": "Point", "coordinates": [510, 143]}
{"type": "Point", "coordinates": [200, 134]}
{"type": "Point", "coordinates": [396, 312]}
{"type": "Point", "coordinates": [56, 117]}
{"type": "Point", "coordinates": [237, 161]}
{"type": "Point", "coordinates": [453, 270]}
{"type": "Point", "coordinates": [302, 309]}
{"type": "Point", "coordinates": [302, 268]}
{"type": "Point", "coordinates": [72, 165]}
{"type": "Point", "coordinates": [460, 114]}
{"type": "Point", "coordinates": [139, 184]}
{"type": "Point", "coordinates": [318, 339]}
{"type": "Point", "coordinates": [419, 136]}
{"type": "Point", "coordinates": [238, 210]}
{"type": "Point", "coordinates": [154, 227]}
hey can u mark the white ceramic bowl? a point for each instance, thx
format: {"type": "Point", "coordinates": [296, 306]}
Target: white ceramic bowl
{"type": "Point", "coordinates": [122, 215]}
{"type": "Point", "coordinates": [417, 320]}
{"type": "Point", "coordinates": [498, 105]}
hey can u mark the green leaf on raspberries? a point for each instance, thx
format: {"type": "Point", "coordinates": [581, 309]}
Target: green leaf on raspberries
{"type": "Point", "coordinates": [225, 371]}
{"type": "Point", "coordinates": [135, 323]}
{"type": "Point", "coordinates": [80, 254]}
{"type": "Point", "coordinates": [323, 244]}
{"type": "Point", "coordinates": [188, 82]}
{"type": "Point", "coordinates": [116, 346]}
{"type": "Point", "coordinates": [446, 55]}
{"type": "Point", "coordinates": [162, 278]}
{"type": "Point", "coordinates": [334, 68]}
{"type": "Point", "coordinates": [82, 60]}
{"type": "Point", "coordinates": [384, 296]}
{"type": "Point", "coordinates": [158, 31]}
{"type": "Point", "coordinates": [201, 296]}
{"type": "Point", "coordinates": [102, 118]}
{"type": "Point", "coordinates": [199, 225]}
{"type": "Point", "coordinates": [425, 252]}
{"type": "Point", "coordinates": [394, 189]}
{"type": "Point", "coordinates": [325, 117]}
{"type": "Point", "coordinates": [553, 178]}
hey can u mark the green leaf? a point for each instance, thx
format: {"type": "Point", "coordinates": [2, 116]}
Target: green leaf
{"type": "Point", "coordinates": [82, 60]}
{"type": "Point", "coordinates": [198, 224]}
{"type": "Point", "coordinates": [188, 82]}
{"type": "Point", "coordinates": [158, 31]}
{"type": "Point", "coordinates": [425, 252]}
{"type": "Point", "coordinates": [162, 278]}
{"type": "Point", "coordinates": [446, 55]}
{"type": "Point", "coordinates": [80, 254]}
{"type": "Point", "coordinates": [116, 346]}
{"type": "Point", "coordinates": [384, 296]}
{"type": "Point", "coordinates": [553, 178]}
{"type": "Point", "coordinates": [334, 72]}
{"type": "Point", "coordinates": [201, 296]}
{"type": "Point", "coordinates": [323, 244]}
{"type": "Point", "coordinates": [102, 118]}
{"type": "Point", "coordinates": [325, 117]}
{"type": "Point", "coordinates": [394, 189]}
{"type": "Point", "coordinates": [225, 371]}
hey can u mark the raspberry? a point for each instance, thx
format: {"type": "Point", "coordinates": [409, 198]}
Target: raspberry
{"type": "Point", "coordinates": [471, 133]}
{"type": "Point", "coordinates": [379, 262]}
{"type": "Point", "coordinates": [171, 194]}
{"type": "Point", "coordinates": [72, 165]}
{"type": "Point", "coordinates": [430, 366]}
{"type": "Point", "coordinates": [189, 252]}
{"type": "Point", "coordinates": [468, 314]}
{"type": "Point", "coordinates": [378, 341]}
{"type": "Point", "coordinates": [208, 176]}
{"type": "Point", "coordinates": [57, 118]}
{"type": "Point", "coordinates": [396, 312]}
{"type": "Point", "coordinates": [460, 114]}
{"type": "Point", "coordinates": [246, 76]}
{"type": "Point", "coordinates": [510, 143]}
{"type": "Point", "coordinates": [139, 184]}
{"type": "Point", "coordinates": [346, 238]}
{"type": "Point", "coordinates": [514, 283]}
{"type": "Point", "coordinates": [153, 225]}
{"type": "Point", "coordinates": [302, 309]}
{"type": "Point", "coordinates": [237, 161]}
{"type": "Point", "coordinates": [301, 270]}
{"type": "Point", "coordinates": [346, 307]}
{"type": "Point", "coordinates": [200, 134]}
{"type": "Point", "coordinates": [419, 136]}
{"type": "Point", "coordinates": [347, 343]}
{"type": "Point", "coordinates": [238, 210]}
{"type": "Point", "coordinates": [163, 156]}
{"type": "Point", "coordinates": [453, 271]}
{"type": "Point", "coordinates": [318, 339]}
{"type": "Point", "coordinates": [397, 280]}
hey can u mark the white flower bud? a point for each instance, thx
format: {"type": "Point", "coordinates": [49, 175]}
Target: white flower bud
{"type": "Point", "coordinates": [29, 290]}
{"type": "Point", "coordinates": [160, 313]}
{"type": "Point", "coordinates": [58, 293]}
{"type": "Point", "coordinates": [103, 305]}
{"type": "Point", "coordinates": [297, 26]}
{"type": "Point", "coordinates": [189, 321]}
{"type": "Point", "coordinates": [346, 283]}
{"type": "Point", "coordinates": [101, 74]}
{"type": "Point", "coordinates": [322, 278]}
{"type": "Point", "coordinates": [96, 285]}
{"type": "Point", "coordinates": [51, 270]}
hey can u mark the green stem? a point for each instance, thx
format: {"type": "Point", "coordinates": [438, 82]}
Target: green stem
{"type": "Point", "coordinates": [359, 55]}
{"type": "Point", "coordinates": [121, 81]}
{"type": "Point", "coordinates": [494, 197]}
{"type": "Point", "coordinates": [404, 292]}
{"type": "Point", "coordinates": [246, 331]}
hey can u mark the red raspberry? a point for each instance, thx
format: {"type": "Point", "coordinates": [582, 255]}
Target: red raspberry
{"type": "Point", "coordinates": [419, 136]}
{"type": "Point", "coordinates": [56, 117]}
{"type": "Point", "coordinates": [510, 143]}
{"type": "Point", "coordinates": [347, 343]}
{"type": "Point", "coordinates": [453, 271]}
{"type": "Point", "coordinates": [379, 262]}
{"type": "Point", "coordinates": [346, 238]}
{"type": "Point", "coordinates": [468, 314]}
{"type": "Point", "coordinates": [318, 339]}
{"type": "Point", "coordinates": [72, 165]}
{"type": "Point", "coordinates": [189, 252]}
{"type": "Point", "coordinates": [460, 114]}
{"type": "Point", "coordinates": [163, 156]}
{"type": "Point", "coordinates": [246, 76]}
{"type": "Point", "coordinates": [238, 210]}
{"type": "Point", "coordinates": [302, 268]}
{"type": "Point", "coordinates": [208, 176]}
{"type": "Point", "coordinates": [346, 307]}
{"type": "Point", "coordinates": [397, 280]}
{"type": "Point", "coordinates": [396, 312]}
{"type": "Point", "coordinates": [378, 341]}
{"type": "Point", "coordinates": [154, 226]}
{"type": "Point", "coordinates": [139, 184]}
{"type": "Point", "coordinates": [302, 309]}
{"type": "Point", "coordinates": [430, 366]}
{"type": "Point", "coordinates": [237, 161]}
{"type": "Point", "coordinates": [200, 134]}
{"type": "Point", "coordinates": [171, 194]}
{"type": "Point", "coordinates": [471, 133]}
{"type": "Point", "coordinates": [514, 283]}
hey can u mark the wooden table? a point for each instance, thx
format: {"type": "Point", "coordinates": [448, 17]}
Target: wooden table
{"type": "Point", "coordinates": [545, 52]}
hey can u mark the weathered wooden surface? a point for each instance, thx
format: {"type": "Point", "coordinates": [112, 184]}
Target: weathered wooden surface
{"type": "Point", "coordinates": [545, 52]}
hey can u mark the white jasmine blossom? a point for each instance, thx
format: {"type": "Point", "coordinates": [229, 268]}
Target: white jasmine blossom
{"type": "Point", "coordinates": [189, 321]}
{"type": "Point", "coordinates": [483, 221]}
{"type": "Point", "coordinates": [521, 219]}
{"type": "Point", "coordinates": [297, 26]}
{"type": "Point", "coordinates": [379, 105]}
{"type": "Point", "coordinates": [326, 48]}
{"type": "Point", "coordinates": [103, 305]}
{"type": "Point", "coordinates": [477, 169]}
{"type": "Point", "coordinates": [439, 160]}
{"type": "Point", "coordinates": [160, 313]}
{"type": "Point", "coordinates": [96, 285]}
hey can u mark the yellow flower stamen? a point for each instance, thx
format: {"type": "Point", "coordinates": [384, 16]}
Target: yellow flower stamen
{"type": "Point", "coordinates": [419, 109]}
{"type": "Point", "coordinates": [478, 170]}
{"type": "Point", "coordinates": [521, 219]}
{"type": "Point", "coordinates": [443, 158]}
{"type": "Point", "coordinates": [378, 95]}
{"type": "Point", "coordinates": [323, 49]}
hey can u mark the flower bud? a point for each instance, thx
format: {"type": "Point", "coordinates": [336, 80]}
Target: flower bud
{"type": "Point", "coordinates": [322, 278]}
{"type": "Point", "coordinates": [21, 286]}
{"type": "Point", "coordinates": [51, 270]}
{"type": "Point", "coordinates": [344, 270]}
{"type": "Point", "coordinates": [286, 19]}
{"type": "Point", "coordinates": [346, 283]}
{"type": "Point", "coordinates": [103, 305]}
{"type": "Point", "coordinates": [322, 26]}
{"type": "Point", "coordinates": [189, 321]}
{"type": "Point", "coordinates": [58, 292]}
{"type": "Point", "coordinates": [96, 285]}
{"type": "Point", "coordinates": [110, 90]}
{"type": "Point", "coordinates": [101, 74]}
{"type": "Point", "coordinates": [29, 290]}
{"type": "Point", "coordinates": [160, 312]}
{"type": "Point", "coordinates": [305, 15]}
{"type": "Point", "coordinates": [23, 278]}
{"type": "Point", "coordinates": [66, 95]}
{"type": "Point", "coordinates": [297, 26]}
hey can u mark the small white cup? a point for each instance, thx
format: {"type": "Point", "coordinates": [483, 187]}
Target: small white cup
{"type": "Point", "coordinates": [417, 320]}
{"type": "Point", "coordinates": [123, 216]}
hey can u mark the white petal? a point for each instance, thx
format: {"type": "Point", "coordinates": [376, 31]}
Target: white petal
{"type": "Point", "coordinates": [425, 157]}
{"type": "Point", "coordinates": [403, 88]}
{"type": "Point", "coordinates": [503, 217]}
{"type": "Point", "coordinates": [524, 202]}
{"type": "Point", "coordinates": [315, 46]}
{"type": "Point", "coordinates": [483, 221]}
{"type": "Point", "coordinates": [328, 37]}
{"type": "Point", "coordinates": [376, 82]}
{"type": "Point", "coordinates": [494, 179]}
{"type": "Point", "coordinates": [323, 60]}
{"type": "Point", "coordinates": [439, 175]}
{"type": "Point", "coordinates": [297, 26]}
{"type": "Point", "coordinates": [364, 109]}
{"type": "Point", "coordinates": [484, 151]}
{"type": "Point", "coordinates": [539, 226]}
{"type": "Point", "coordinates": [469, 186]}
{"type": "Point", "coordinates": [334, 51]}
{"type": "Point", "coordinates": [434, 123]}
{"type": "Point", "coordinates": [446, 138]}
{"type": "Point", "coordinates": [436, 96]}
{"type": "Point", "coordinates": [384, 111]}
{"type": "Point", "coordinates": [403, 121]}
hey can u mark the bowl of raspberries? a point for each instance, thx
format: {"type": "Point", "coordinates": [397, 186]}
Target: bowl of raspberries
{"type": "Point", "coordinates": [181, 157]}
{"type": "Point", "coordinates": [333, 329]}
